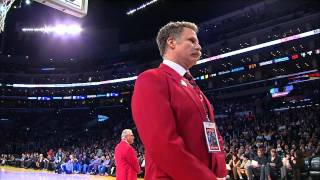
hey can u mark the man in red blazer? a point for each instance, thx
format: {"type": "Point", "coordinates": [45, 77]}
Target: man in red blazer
{"type": "Point", "coordinates": [171, 113]}
{"type": "Point", "coordinates": [126, 159]}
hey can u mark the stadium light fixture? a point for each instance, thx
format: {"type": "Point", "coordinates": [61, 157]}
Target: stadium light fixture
{"type": "Point", "coordinates": [142, 6]}
{"type": "Point", "coordinates": [60, 29]}
{"type": "Point", "coordinates": [28, 2]}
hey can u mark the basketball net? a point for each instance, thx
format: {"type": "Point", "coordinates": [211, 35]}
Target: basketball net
{"type": "Point", "coordinates": [5, 5]}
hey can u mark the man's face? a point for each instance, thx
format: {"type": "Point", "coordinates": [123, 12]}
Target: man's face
{"type": "Point", "coordinates": [187, 48]}
{"type": "Point", "coordinates": [130, 138]}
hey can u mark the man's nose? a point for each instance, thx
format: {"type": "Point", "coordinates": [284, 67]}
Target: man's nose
{"type": "Point", "coordinates": [198, 47]}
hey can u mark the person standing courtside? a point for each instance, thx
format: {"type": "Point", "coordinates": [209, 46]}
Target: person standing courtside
{"type": "Point", "coordinates": [127, 164]}
{"type": "Point", "coordinates": [172, 114]}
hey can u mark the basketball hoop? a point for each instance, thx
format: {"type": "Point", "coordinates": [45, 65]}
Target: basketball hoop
{"type": "Point", "coordinates": [76, 8]}
{"type": "Point", "coordinates": [5, 5]}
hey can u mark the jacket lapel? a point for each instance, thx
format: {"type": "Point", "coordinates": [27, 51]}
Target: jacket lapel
{"type": "Point", "coordinates": [187, 89]}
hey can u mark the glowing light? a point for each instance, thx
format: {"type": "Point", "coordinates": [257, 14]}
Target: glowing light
{"type": "Point", "coordinates": [60, 29]}
{"type": "Point", "coordinates": [132, 11]}
{"type": "Point", "coordinates": [28, 2]}
{"type": "Point", "coordinates": [75, 84]}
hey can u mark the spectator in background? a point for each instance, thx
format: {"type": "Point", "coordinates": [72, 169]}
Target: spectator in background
{"type": "Point", "coordinates": [126, 158]}
{"type": "Point", "coordinates": [234, 164]}
{"type": "Point", "coordinates": [257, 166]}
{"type": "Point", "coordinates": [274, 165]}
{"type": "Point", "coordinates": [297, 164]}
{"type": "Point", "coordinates": [93, 166]}
{"type": "Point", "coordinates": [286, 166]}
{"type": "Point", "coordinates": [68, 166]}
{"type": "Point", "coordinates": [243, 168]}
{"type": "Point", "coordinates": [104, 166]}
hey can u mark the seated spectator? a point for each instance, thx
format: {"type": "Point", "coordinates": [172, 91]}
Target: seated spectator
{"type": "Point", "coordinates": [77, 166]}
{"type": "Point", "coordinates": [297, 164]}
{"type": "Point", "coordinates": [103, 168]}
{"type": "Point", "coordinates": [20, 161]}
{"type": "Point", "coordinates": [257, 166]}
{"type": "Point", "coordinates": [67, 167]}
{"type": "Point", "coordinates": [243, 168]}
{"type": "Point", "coordinates": [3, 159]}
{"type": "Point", "coordinates": [59, 158]}
{"type": "Point", "coordinates": [85, 163]}
{"type": "Point", "coordinates": [93, 166]}
{"type": "Point", "coordinates": [30, 161]}
{"type": "Point", "coordinates": [234, 164]}
{"type": "Point", "coordinates": [274, 165]}
{"type": "Point", "coordinates": [286, 166]}
{"type": "Point", "coordinates": [11, 160]}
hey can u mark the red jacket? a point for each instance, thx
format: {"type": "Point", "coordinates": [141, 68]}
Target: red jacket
{"type": "Point", "coordinates": [126, 162]}
{"type": "Point", "coordinates": [169, 117]}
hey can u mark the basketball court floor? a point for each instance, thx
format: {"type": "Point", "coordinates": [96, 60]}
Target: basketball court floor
{"type": "Point", "coordinates": [12, 173]}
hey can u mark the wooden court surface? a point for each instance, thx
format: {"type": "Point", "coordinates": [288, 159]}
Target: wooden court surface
{"type": "Point", "coordinates": [12, 173]}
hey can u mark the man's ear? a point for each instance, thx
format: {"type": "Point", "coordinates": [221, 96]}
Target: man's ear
{"type": "Point", "coordinates": [171, 42]}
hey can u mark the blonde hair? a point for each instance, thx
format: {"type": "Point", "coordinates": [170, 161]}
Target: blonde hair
{"type": "Point", "coordinates": [172, 29]}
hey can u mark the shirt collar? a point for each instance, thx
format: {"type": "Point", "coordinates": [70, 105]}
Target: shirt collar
{"type": "Point", "coordinates": [178, 68]}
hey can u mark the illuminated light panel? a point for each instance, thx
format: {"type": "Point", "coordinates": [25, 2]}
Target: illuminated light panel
{"type": "Point", "coordinates": [309, 53]}
{"type": "Point", "coordinates": [223, 72]}
{"type": "Point", "coordinates": [279, 94]}
{"type": "Point", "coordinates": [57, 98]}
{"type": "Point", "coordinates": [237, 69]}
{"type": "Point", "coordinates": [265, 63]}
{"type": "Point", "coordinates": [44, 98]}
{"type": "Point", "coordinates": [78, 97]}
{"type": "Point", "coordinates": [48, 69]}
{"type": "Point", "coordinates": [295, 56]}
{"type": "Point", "coordinates": [32, 98]}
{"type": "Point", "coordinates": [252, 66]}
{"type": "Point", "coordinates": [281, 60]}
{"type": "Point", "coordinates": [91, 96]}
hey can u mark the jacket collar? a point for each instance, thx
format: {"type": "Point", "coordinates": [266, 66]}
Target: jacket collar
{"type": "Point", "coordinates": [187, 89]}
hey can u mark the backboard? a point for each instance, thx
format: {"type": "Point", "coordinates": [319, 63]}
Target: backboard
{"type": "Point", "coordinates": [76, 8]}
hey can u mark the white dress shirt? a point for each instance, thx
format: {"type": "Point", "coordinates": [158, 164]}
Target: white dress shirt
{"type": "Point", "coordinates": [178, 68]}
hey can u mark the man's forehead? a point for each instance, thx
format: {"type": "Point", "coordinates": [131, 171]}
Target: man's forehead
{"type": "Point", "coordinates": [188, 30]}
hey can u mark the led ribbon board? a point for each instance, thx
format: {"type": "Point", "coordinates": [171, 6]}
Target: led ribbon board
{"type": "Point", "coordinates": [240, 51]}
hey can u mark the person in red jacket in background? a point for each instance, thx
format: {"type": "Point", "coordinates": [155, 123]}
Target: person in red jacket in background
{"type": "Point", "coordinates": [174, 119]}
{"type": "Point", "coordinates": [127, 164]}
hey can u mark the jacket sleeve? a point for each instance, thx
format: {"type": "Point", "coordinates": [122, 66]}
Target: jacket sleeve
{"type": "Point", "coordinates": [133, 160]}
{"type": "Point", "coordinates": [156, 126]}
{"type": "Point", "coordinates": [219, 160]}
